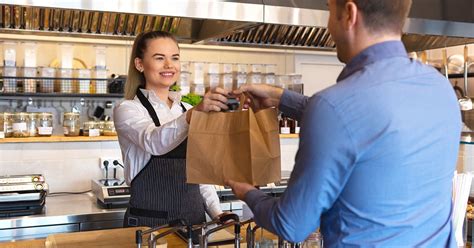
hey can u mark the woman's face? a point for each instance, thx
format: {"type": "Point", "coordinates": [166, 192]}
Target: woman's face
{"type": "Point", "coordinates": [160, 63]}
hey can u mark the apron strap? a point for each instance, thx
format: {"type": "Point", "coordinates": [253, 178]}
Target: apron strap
{"type": "Point", "coordinates": [150, 108]}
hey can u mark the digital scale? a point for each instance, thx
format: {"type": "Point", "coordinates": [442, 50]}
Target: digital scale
{"type": "Point", "coordinates": [111, 193]}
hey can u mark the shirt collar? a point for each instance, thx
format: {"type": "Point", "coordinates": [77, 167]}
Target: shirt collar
{"type": "Point", "coordinates": [380, 51]}
{"type": "Point", "coordinates": [174, 96]}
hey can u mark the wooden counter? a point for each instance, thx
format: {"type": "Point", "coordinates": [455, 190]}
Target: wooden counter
{"type": "Point", "coordinates": [116, 238]}
{"type": "Point", "coordinates": [61, 138]}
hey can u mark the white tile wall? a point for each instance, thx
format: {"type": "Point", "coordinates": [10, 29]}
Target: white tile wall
{"type": "Point", "coordinates": [288, 149]}
{"type": "Point", "coordinates": [66, 166]}
{"type": "Point", "coordinates": [70, 166]}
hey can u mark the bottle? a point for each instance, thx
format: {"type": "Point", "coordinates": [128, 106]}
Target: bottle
{"type": "Point", "coordinates": [297, 127]}
{"type": "Point", "coordinates": [284, 125]}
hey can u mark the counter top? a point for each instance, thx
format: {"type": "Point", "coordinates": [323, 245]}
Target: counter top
{"type": "Point", "coordinates": [65, 209]}
{"type": "Point", "coordinates": [60, 138]}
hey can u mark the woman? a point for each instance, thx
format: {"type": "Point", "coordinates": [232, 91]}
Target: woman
{"type": "Point", "coordinates": [152, 125]}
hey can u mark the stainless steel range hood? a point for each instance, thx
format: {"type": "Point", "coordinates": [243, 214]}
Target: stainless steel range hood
{"type": "Point", "coordinates": [296, 24]}
{"type": "Point", "coordinates": [191, 21]}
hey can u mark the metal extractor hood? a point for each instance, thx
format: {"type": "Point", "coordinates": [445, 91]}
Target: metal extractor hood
{"type": "Point", "coordinates": [295, 24]}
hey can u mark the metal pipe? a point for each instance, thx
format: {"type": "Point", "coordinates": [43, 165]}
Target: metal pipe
{"type": "Point", "coordinates": [466, 70]}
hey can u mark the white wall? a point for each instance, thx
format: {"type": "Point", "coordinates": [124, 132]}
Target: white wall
{"type": "Point", "coordinates": [319, 71]}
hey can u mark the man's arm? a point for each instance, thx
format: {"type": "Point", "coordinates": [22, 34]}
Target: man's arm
{"type": "Point", "coordinates": [324, 163]}
{"type": "Point", "coordinates": [293, 104]}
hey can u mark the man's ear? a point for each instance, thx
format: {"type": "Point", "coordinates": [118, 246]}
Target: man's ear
{"type": "Point", "coordinates": [350, 15]}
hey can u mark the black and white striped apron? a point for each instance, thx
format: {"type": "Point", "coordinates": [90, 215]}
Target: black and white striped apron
{"type": "Point", "coordinates": [159, 193]}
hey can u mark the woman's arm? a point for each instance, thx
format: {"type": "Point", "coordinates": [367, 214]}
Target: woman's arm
{"type": "Point", "coordinates": [135, 124]}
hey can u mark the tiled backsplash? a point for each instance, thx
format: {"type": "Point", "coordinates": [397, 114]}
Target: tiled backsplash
{"type": "Point", "coordinates": [70, 166]}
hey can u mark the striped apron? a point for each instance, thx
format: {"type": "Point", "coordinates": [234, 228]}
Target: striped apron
{"type": "Point", "coordinates": [159, 193]}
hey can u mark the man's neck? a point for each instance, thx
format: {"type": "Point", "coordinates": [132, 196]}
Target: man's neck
{"type": "Point", "coordinates": [364, 42]}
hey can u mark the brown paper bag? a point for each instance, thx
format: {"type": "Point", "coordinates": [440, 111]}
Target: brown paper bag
{"type": "Point", "coordinates": [242, 146]}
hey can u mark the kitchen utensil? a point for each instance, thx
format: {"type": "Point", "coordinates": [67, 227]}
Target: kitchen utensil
{"type": "Point", "coordinates": [61, 110]}
{"type": "Point", "coordinates": [445, 63]}
{"type": "Point", "coordinates": [466, 102]}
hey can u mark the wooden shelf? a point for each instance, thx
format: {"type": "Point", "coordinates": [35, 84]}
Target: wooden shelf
{"type": "Point", "coordinates": [58, 139]}
{"type": "Point", "coordinates": [289, 136]}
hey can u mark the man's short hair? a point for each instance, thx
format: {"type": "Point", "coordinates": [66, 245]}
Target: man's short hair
{"type": "Point", "coordinates": [382, 15]}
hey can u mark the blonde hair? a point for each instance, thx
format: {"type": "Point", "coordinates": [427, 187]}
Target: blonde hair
{"type": "Point", "coordinates": [135, 78]}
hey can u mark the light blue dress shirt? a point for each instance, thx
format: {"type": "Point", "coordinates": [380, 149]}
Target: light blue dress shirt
{"type": "Point", "coordinates": [376, 157]}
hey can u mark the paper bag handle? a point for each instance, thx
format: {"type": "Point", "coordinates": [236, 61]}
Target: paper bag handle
{"type": "Point", "coordinates": [242, 99]}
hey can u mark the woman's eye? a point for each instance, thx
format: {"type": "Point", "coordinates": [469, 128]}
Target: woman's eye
{"type": "Point", "coordinates": [159, 58]}
{"type": "Point", "coordinates": [176, 59]}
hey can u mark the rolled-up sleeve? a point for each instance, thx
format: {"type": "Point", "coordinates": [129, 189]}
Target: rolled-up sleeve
{"type": "Point", "coordinates": [323, 165]}
{"type": "Point", "coordinates": [293, 104]}
{"type": "Point", "coordinates": [211, 200]}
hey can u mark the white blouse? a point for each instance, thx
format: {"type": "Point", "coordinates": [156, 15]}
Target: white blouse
{"type": "Point", "coordinates": [139, 138]}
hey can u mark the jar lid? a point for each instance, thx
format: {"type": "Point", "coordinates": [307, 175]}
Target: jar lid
{"type": "Point", "coordinates": [89, 123]}
{"type": "Point", "coordinates": [71, 114]}
{"type": "Point", "coordinates": [33, 114]}
{"type": "Point", "coordinates": [47, 114]}
{"type": "Point", "coordinates": [7, 114]}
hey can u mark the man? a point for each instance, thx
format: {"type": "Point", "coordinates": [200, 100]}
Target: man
{"type": "Point", "coordinates": [377, 150]}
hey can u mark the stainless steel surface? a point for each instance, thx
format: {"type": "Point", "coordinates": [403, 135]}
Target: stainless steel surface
{"type": "Point", "coordinates": [420, 34]}
{"type": "Point", "coordinates": [296, 24]}
{"type": "Point", "coordinates": [19, 187]}
{"type": "Point", "coordinates": [21, 179]}
{"type": "Point", "coordinates": [36, 232]}
{"type": "Point", "coordinates": [12, 197]}
{"type": "Point", "coordinates": [190, 20]}
{"type": "Point", "coordinates": [61, 213]}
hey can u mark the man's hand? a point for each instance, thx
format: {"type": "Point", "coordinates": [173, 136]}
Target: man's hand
{"type": "Point", "coordinates": [261, 95]}
{"type": "Point", "coordinates": [239, 189]}
{"type": "Point", "coordinates": [214, 100]}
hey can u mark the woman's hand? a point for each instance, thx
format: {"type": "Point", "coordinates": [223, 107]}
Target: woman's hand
{"type": "Point", "coordinates": [214, 100]}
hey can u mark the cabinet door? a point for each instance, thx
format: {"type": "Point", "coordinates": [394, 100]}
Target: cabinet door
{"type": "Point", "coordinates": [319, 71]}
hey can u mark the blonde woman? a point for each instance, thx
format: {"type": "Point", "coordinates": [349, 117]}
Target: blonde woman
{"type": "Point", "coordinates": [152, 126]}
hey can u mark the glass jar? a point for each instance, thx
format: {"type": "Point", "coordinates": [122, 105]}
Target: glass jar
{"type": "Point", "coordinates": [100, 125]}
{"type": "Point", "coordinates": [8, 124]}
{"type": "Point", "coordinates": [71, 124]}
{"type": "Point", "coordinates": [2, 126]}
{"type": "Point", "coordinates": [32, 124]}
{"type": "Point", "coordinates": [88, 125]}
{"type": "Point", "coordinates": [109, 129]}
{"type": "Point", "coordinates": [45, 124]}
{"type": "Point", "coordinates": [20, 125]}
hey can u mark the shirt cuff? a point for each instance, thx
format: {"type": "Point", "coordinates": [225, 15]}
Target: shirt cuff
{"type": "Point", "coordinates": [292, 104]}
{"type": "Point", "coordinates": [214, 211]}
{"type": "Point", "coordinates": [253, 197]}
{"type": "Point", "coordinates": [289, 99]}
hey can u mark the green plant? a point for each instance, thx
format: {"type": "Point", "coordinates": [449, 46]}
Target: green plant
{"type": "Point", "coordinates": [190, 98]}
